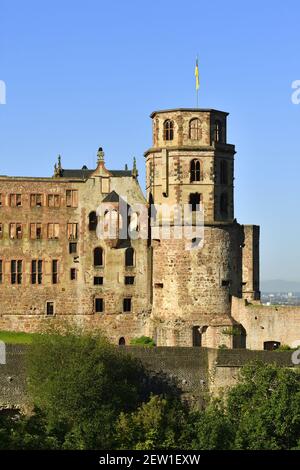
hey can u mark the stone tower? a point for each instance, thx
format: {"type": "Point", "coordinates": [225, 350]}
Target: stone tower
{"type": "Point", "coordinates": [191, 162]}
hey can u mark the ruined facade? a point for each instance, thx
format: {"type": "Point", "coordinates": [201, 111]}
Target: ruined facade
{"type": "Point", "coordinates": [56, 266]}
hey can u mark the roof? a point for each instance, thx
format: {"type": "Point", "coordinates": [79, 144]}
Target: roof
{"type": "Point", "coordinates": [111, 197]}
{"type": "Point", "coordinates": [82, 174]}
{"type": "Point", "coordinates": [85, 173]}
{"type": "Point", "coordinates": [114, 197]}
{"type": "Point", "coordinates": [192, 110]}
{"type": "Point", "coordinates": [121, 172]}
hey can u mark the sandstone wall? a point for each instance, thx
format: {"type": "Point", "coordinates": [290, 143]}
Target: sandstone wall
{"type": "Point", "coordinates": [267, 323]}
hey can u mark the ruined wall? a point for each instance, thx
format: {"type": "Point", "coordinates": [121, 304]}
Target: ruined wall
{"type": "Point", "coordinates": [251, 262]}
{"type": "Point", "coordinates": [267, 323]}
{"type": "Point", "coordinates": [194, 373]}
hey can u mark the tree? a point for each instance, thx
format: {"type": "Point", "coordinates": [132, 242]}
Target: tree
{"type": "Point", "coordinates": [261, 412]}
{"type": "Point", "coordinates": [157, 424]}
{"type": "Point", "coordinates": [264, 407]}
{"type": "Point", "coordinates": [210, 429]}
{"type": "Point", "coordinates": [81, 384]}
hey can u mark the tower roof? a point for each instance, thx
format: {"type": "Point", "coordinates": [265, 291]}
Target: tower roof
{"type": "Point", "coordinates": [192, 110]}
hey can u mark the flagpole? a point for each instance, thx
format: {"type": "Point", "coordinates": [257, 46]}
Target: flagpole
{"type": "Point", "coordinates": [197, 81]}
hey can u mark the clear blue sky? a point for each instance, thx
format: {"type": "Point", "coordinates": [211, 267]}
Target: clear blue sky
{"type": "Point", "coordinates": [81, 74]}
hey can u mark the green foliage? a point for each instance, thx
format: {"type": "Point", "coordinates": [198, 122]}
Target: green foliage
{"type": "Point", "coordinates": [223, 346]}
{"type": "Point", "coordinates": [212, 428]}
{"type": "Point", "coordinates": [264, 408]}
{"type": "Point", "coordinates": [143, 341]}
{"type": "Point", "coordinates": [232, 331]}
{"type": "Point", "coordinates": [157, 424]}
{"type": "Point", "coordinates": [26, 432]}
{"type": "Point", "coordinates": [284, 347]}
{"type": "Point", "coordinates": [81, 384]}
{"type": "Point", "coordinates": [88, 395]}
{"type": "Point", "coordinates": [16, 337]}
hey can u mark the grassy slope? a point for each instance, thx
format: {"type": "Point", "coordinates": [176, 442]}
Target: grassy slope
{"type": "Point", "coordinates": [12, 337]}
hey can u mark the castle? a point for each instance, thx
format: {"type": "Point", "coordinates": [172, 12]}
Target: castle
{"type": "Point", "coordinates": [55, 268]}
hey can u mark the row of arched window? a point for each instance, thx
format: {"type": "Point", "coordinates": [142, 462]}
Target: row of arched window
{"type": "Point", "coordinates": [128, 257]}
{"type": "Point", "coordinates": [195, 130]}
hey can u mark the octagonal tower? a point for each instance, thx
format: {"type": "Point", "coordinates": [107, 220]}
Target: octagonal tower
{"type": "Point", "coordinates": [190, 162]}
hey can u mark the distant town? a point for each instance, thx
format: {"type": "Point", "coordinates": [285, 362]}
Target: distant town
{"type": "Point", "coordinates": [280, 298]}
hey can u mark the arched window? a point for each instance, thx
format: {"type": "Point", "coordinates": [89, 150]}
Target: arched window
{"type": "Point", "coordinates": [224, 204]}
{"type": "Point", "coordinates": [93, 221]}
{"type": "Point", "coordinates": [168, 130]}
{"type": "Point", "coordinates": [129, 256]}
{"type": "Point", "coordinates": [98, 256]}
{"type": "Point", "coordinates": [195, 170]}
{"type": "Point", "coordinates": [195, 129]}
{"type": "Point", "coordinates": [218, 131]}
{"type": "Point", "coordinates": [122, 341]}
{"type": "Point", "coordinates": [223, 172]}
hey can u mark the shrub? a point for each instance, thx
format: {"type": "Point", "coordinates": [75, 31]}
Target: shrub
{"type": "Point", "coordinates": [143, 341]}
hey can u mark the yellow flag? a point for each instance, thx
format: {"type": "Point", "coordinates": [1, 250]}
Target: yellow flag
{"type": "Point", "coordinates": [197, 74]}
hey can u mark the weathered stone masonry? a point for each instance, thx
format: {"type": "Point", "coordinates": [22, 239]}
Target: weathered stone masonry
{"type": "Point", "coordinates": [195, 373]}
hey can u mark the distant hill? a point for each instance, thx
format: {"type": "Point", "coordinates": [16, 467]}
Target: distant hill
{"type": "Point", "coordinates": [279, 285]}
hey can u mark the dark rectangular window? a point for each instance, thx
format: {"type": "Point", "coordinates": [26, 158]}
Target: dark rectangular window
{"type": "Point", "coordinates": [1, 230]}
{"type": "Point", "coordinates": [98, 281]}
{"type": "Point", "coordinates": [16, 271]}
{"type": "Point", "coordinates": [129, 280]}
{"type": "Point", "coordinates": [54, 271]}
{"type": "Point", "coordinates": [19, 271]}
{"type": "Point", "coordinates": [36, 271]}
{"type": "Point", "coordinates": [127, 305]}
{"type": "Point", "coordinates": [50, 308]}
{"type": "Point", "coordinates": [33, 271]}
{"type": "Point", "coordinates": [1, 271]}
{"type": "Point", "coordinates": [72, 248]}
{"type": "Point", "coordinates": [99, 305]}
{"type": "Point", "coordinates": [73, 274]}
{"type": "Point", "coordinates": [13, 271]}
{"type": "Point", "coordinates": [195, 201]}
